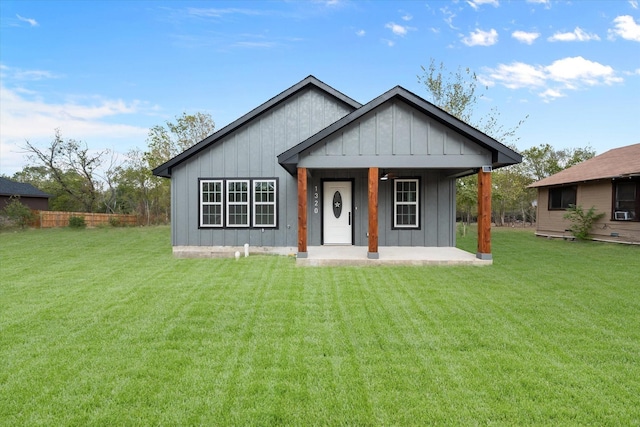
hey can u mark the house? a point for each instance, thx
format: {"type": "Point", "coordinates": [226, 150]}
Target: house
{"type": "Point", "coordinates": [609, 182]}
{"type": "Point", "coordinates": [313, 167]}
{"type": "Point", "coordinates": [29, 195]}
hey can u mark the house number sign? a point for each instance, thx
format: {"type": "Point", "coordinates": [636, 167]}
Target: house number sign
{"type": "Point", "coordinates": [316, 202]}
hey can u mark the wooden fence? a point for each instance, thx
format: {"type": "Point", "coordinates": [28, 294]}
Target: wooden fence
{"type": "Point", "coordinates": [52, 219]}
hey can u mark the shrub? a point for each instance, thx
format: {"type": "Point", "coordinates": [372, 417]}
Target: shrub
{"type": "Point", "coordinates": [582, 221]}
{"type": "Point", "coordinates": [77, 222]}
{"type": "Point", "coordinates": [18, 213]}
{"type": "Point", "coordinates": [115, 222]}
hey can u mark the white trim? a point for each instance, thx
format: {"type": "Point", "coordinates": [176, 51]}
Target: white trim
{"type": "Point", "coordinates": [246, 203]}
{"type": "Point", "coordinates": [209, 203]}
{"type": "Point", "coordinates": [256, 203]}
{"type": "Point", "coordinates": [415, 203]}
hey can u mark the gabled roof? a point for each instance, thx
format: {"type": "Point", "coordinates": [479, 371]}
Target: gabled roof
{"type": "Point", "coordinates": [22, 189]}
{"type": "Point", "coordinates": [164, 170]}
{"type": "Point", "coordinates": [617, 163]}
{"type": "Point", "coordinates": [501, 154]}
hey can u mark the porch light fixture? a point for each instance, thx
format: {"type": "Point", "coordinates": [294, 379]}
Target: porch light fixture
{"type": "Point", "coordinates": [387, 176]}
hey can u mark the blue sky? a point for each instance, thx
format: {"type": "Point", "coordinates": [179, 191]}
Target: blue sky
{"type": "Point", "coordinates": [104, 72]}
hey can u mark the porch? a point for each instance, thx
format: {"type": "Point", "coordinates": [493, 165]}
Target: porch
{"type": "Point", "coordinates": [320, 256]}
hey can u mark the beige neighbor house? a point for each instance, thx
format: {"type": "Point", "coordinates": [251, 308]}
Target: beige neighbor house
{"type": "Point", "coordinates": [609, 182]}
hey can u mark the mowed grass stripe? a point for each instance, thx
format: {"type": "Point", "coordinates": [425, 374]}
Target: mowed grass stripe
{"type": "Point", "coordinates": [105, 327]}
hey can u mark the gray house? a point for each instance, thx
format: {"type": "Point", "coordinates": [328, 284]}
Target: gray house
{"type": "Point", "coordinates": [312, 167]}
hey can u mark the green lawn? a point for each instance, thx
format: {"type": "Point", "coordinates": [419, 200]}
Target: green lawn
{"type": "Point", "coordinates": [105, 327]}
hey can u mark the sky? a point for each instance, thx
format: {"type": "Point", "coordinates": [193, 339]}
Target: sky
{"type": "Point", "coordinates": [104, 72]}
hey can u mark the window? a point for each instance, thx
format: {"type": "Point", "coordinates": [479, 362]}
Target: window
{"type": "Point", "coordinates": [562, 197]}
{"type": "Point", "coordinates": [238, 203]}
{"type": "Point", "coordinates": [211, 203]}
{"type": "Point", "coordinates": [626, 200]}
{"type": "Point", "coordinates": [405, 203]}
{"type": "Point", "coordinates": [264, 203]}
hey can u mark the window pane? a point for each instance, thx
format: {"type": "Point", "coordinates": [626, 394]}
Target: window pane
{"type": "Point", "coordinates": [406, 203]}
{"type": "Point", "coordinates": [264, 198]}
{"type": "Point", "coordinates": [211, 203]}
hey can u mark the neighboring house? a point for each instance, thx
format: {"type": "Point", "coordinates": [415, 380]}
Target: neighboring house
{"type": "Point", "coordinates": [609, 182]}
{"type": "Point", "coordinates": [312, 167]}
{"type": "Point", "coordinates": [29, 195]}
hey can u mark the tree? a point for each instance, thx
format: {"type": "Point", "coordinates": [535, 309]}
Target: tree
{"type": "Point", "coordinates": [138, 189]}
{"type": "Point", "coordinates": [544, 160]}
{"type": "Point", "coordinates": [20, 214]}
{"type": "Point", "coordinates": [456, 93]}
{"type": "Point", "coordinates": [72, 167]}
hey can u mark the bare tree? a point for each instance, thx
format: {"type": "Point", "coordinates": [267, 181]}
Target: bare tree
{"type": "Point", "coordinates": [73, 167]}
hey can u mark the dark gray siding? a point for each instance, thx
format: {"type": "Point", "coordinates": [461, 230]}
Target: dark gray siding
{"type": "Point", "coordinates": [437, 208]}
{"type": "Point", "coordinates": [251, 152]}
{"type": "Point", "coordinates": [396, 135]}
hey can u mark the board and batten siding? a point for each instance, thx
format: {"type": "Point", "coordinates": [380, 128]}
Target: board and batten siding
{"type": "Point", "coordinates": [595, 193]}
{"type": "Point", "coordinates": [396, 135]}
{"type": "Point", "coordinates": [251, 152]}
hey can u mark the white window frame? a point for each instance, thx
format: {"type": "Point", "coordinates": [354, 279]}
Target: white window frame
{"type": "Point", "coordinates": [210, 203]}
{"type": "Point", "coordinates": [257, 203]}
{"type": "Point", "coordinates": [230, 204]}
{"type": "Point", "coordinates": [397, 203]}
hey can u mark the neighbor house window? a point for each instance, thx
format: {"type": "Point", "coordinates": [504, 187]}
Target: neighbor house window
{"type": "Point", "coordinates": [562, 197]}
{"type": "Point", "coordinates": [264, 203]}
{"type": "Point", "coordinates": [406, 203]}
{"type": "Point", "coordinates": [626, 201]}
{"type": "Point", "coordinates": [238, 203]}
{"type": "Point", "coordinates": [211, 203]}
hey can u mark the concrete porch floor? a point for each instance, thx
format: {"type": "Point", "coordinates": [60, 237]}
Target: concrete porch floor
{"type": "Point", "coordinates": [318, 256]}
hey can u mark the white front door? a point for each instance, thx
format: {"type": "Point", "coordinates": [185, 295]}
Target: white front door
{"type": "Point", "coordinates": [336, 212]}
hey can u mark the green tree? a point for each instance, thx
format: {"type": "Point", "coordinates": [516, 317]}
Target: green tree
{"type": "Point", "coordinates": [138, 189]}
{"type": "Point", "coordinates": [457, 94]}
{"type": "Point", "coordinates": [18, 213]}
{"type": "Point", "coordinates": [544, 160]}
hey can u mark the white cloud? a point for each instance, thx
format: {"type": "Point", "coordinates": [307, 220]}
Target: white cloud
{"type": "Point", "coordinates": [580, 71]}
{"type": "Point", "coordinates": [448, 17]}
{"type": "Point", "coordinates": [576, 35]}
{"type": "Point", "coordinates": [407, 17]}
{"type": "Point", "coordinates": [525, 37]}
{"type": "Point", "coordinates": [398, 30]}
{"type": "Point", "coordinates": [538, 1]}
{"type": "Point", "coordinates": [626, 27]}
{"type": "Point", "coordinates": [551, 94]}
{"type": "Point", "coordinates": [30, 21]}
{"type": "Point", "coordinates": [26, 115]}
{"type": "Point", "coordinates": [481, 38]}
{"type": "Point", "coordinates": [554, 80]}
{"type": "Point", "coordinates": [516, 75]}
{"type": "Point", "coordinates": [360, 33]}
{"type": "Point", "coordinates": [477, 3]}
{"type": "Point", "coordinates": [633, 3]}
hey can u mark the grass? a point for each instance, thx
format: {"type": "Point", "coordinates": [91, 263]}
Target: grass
{"type": "Point", "coordinates": [105, 327]}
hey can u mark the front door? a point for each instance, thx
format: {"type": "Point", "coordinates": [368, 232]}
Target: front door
{"type": "Point", "coordinates": [337, 216]}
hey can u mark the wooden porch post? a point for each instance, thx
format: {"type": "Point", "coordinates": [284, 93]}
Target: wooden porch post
{"type": "Point", "coordinates": [302, 212]}
{"type": "Point", "coordinates": [484, 214]}
{"type": "Point", "coordinates": [373, 214]}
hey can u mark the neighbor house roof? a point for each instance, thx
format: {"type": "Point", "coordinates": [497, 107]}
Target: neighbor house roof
{"type": "Point", "coordinates": [501, 154]}
{"type": "Point", "coordinates": [617, 163]}
{"type": "Point", "coordinates": [22, 189]}
{"type": "Point", "coordinates": [164, 170]}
